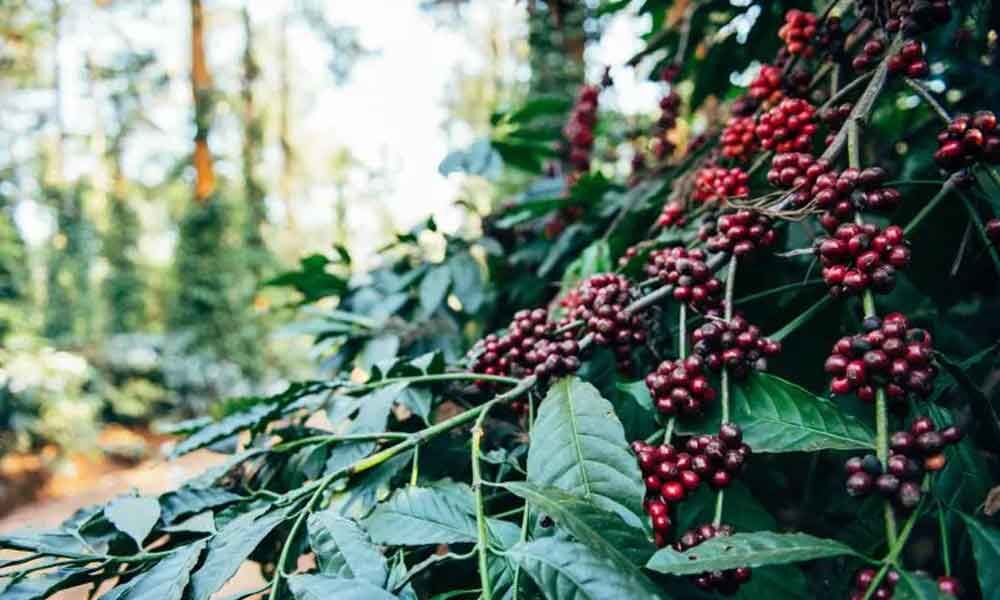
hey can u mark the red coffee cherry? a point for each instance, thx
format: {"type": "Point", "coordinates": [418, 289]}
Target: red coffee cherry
{"type": "Point", "coordinates": [738, 139]}
{"type": "Point", "coordinates": [602, 300]}
{"type": "Point", "coordinates": [860, 257]}
{"type": "Point", "coordinates": [840, 194]}
{"type": "Point", "coordinates": [725, 582]}
{"type": "Point", "coordinates": [767, 88]}
{"type": "Point", "coordinates": [834, 118]}
{"type": "Point", "coordinates": [692, 278]}
{"type": "Point", "coordinates": [669, 109]}
{"type": "Point", "coordinates": [917, 16]}
{"type": "Point", "coordinates": [672, 215]}
{"type": "Point", "coordinates": [796, 171]}
{"type": "Point", "coordinates": [968, 140]}
{"type": "Point", "coordinates": [910, 61]}
{"type": "Point", "coordinates": [788, 127]}
{"type": "Point", "coordinates": [740, 232]}
{"type": "Point", "coordinates": [890, 354]}
{"type": "Point", "coordinates": [717, 183]}
{"type": "Point", "coordinates": [530, 346]}
{"type": "Point", "coordinates": [870, 53]}
{"type": "Point", "coordinates": [993, 232]}
{"type": "Point", "coordinates": [798, 32]}
{"type": "Point", "coordinates": [949, 586]}
{"type": "Point", "coordinates": [864, 578]}
{"type": "Point", "coordinates": [736, 344]}
{"type": "Point", "coordinates": [680, 387]}
{"type": "Point", "coordinates": [579, 129]}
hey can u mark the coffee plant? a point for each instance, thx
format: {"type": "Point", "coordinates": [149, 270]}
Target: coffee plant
{"type": "Point", "coordinates": [619, 390]}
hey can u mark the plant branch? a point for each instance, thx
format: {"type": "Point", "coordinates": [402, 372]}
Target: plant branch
{"type": "Point", "coordinates": [482, 534]}
{"type": "Point", "coordinates": [927, 97]}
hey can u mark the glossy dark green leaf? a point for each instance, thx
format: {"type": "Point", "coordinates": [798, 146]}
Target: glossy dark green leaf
{"type": "Point", "coordinates": [323, 587]}
{"type": "Point", "coordinates": [746, 550]}
{"type": "Point", "coordinates": [578, 444]}
{"type": "Point", "coordinates": [227, 426]}
{"type": "Point", "coordinates": [565, 570]}
{"type": "Point", "coordinates": [594, 526]}
{"type": "Point", "coordinates": [336, 540]}
{"type": "Point", "coordinates": [166, 580]}
{"type": "Point", "coordinates": [986, 549]}
{"type": "Point", "coordinates": [190, 500]}
{"type": "Point", "coordinates": [779, 416]}
{"type": "Point", "coordinates": [912, 586]}
{"type": "Point", "coordinates": [133, 516]}
{"type": "Point", "coordinates": [56, 543]}
{"type": "Point", "coordinates": [467, 282]}
{"type": "Point", "coordinates": [433, 289]}
{"type": "Point", "coordinates": [230, 547]}
{"type": "Point", "coordinates": [418, 516]}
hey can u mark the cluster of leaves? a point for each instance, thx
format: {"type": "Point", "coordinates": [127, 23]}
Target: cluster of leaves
{"type": "Point", "coordinates": [365, 471]}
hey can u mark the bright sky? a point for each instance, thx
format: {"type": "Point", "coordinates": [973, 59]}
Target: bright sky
{"type": "Point", "coordinates": [391, 113]}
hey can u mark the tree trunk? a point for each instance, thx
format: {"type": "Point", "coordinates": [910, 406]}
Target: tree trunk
{"type": "Point", "coordinates": [252, 142]}
{"type": "Point", "coordinates": [201, 89]}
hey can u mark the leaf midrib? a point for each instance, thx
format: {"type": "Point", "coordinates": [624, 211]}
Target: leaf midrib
{"type": "Point", "coordinates": [574, 426]}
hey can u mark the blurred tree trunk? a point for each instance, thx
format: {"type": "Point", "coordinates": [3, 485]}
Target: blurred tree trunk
{"type": "Point", "coordinates": [284, 123]}
{"type": "Point", "coordinates": [201, 89]}
{"type": "Point", "coordinates": [253, 139]}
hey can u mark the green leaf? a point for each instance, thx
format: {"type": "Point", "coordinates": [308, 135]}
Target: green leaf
{"type": "Point", "coordinates": [191, 500]}
{"type": "Point", "coordinates": [916, 587]}
{"type": "Point", "coordinates": [133, 516]}
{"type": "Point", "coordinates": [986, 549]}
{"type": "Point", "coordinates": [779, 416]}
{"type": "Point", "coordinates": [322, 587]}
{"type": "Point", "coordinates": [567, 570]}
{"type": "Point", "coordinates": [43, 586]}
{"type": "Point", "coordinates": [56, 543]}
{"type": "Point", "coordinates": [638, 393]}
{"type": "Point", "coordinates": [433, 289]}
{"type": "Point", "coordinates": [227, 426]}
{"type": "Point", "coordinates": [416, 516]}
{"type": "Point", "coordinates": [312, 280]}
{"type": "Point", "coordinates": [331, 535]}
{"type": "Point", "coordinates": [578, 444]}
{"type": "Point", "coordinates": [467, 282]}
{"type": "Point", "coordinates": [165, 581]}
{"type": "Point", "coordinates": [602, 530]}
{"type": "Point", "coordinates": [230, 547]}
{"type": "Point", "coordinates": [595, 258]}
{"type": "Point", "coordinates": [746, 550]}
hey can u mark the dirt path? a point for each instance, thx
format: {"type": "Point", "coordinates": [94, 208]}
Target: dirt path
{"type": "Point", "coordinates": [77, 485]}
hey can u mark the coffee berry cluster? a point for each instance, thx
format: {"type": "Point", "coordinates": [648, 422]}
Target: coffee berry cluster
{"type": "Point", "coordinates": [680, 387]}
{"type": "Point", "coordinates": [669, 105]}
{"type": "Point", "coordinates": [725, 582]}
{"type": "Point", "coordinates": [719, 183]}
{"type": "Point", "coordinates": [968, 140]}
{"type": "Point", "coordinates": [864, 578]}
{"type": "Point", "coordinates": [579, 130]}
{"type": "Point", "coordinates": [870, 54]}
{"type": "Point", "coordinates": [798, 31]}
{"type": "Point", "coordinates": [889, 353]}
{"type": "Point", "coordinates": [861, 257]}
{"type": "Point", "coordinates": [915, 16]}
{"type": "Point", "coordinates": [788, 127]}
{"type": "Point", "coordinates": [671, 215]}
{"type": "Point", "coordinates": [735, 344]}
{"type": "Point", "coordinates": [834, 118]}
{"type": "Point", "coordinates": [689, 273]}
{"type": "Point", "coordinates": [738, 139]}
{"type": "Point", "coordinates": [670, 474]}
{"type": "Point", "coordinates": [912, 454]}
{"type": "Point", "coordinates": [529, 347]}
{"type": "Point", "coordinates": [841, 194]}
{"type": "Point", "coordinates": [601, 303]}
{"type": "Point", "coordinates": [910, 61]}
{"type": "Point", "coordinates": [739, 232]}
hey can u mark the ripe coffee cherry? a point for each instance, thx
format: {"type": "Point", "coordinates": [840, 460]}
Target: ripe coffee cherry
{"type": "Point", "coordinates": [993, 232]}
{"type": "Point", "coordinates": [910, 61]}
{"type": "Point", "coordinates": [788, 127]}
{"type": "Point", "coordinates": [579, 129]}
{"type": "Point", "coordinates": [869, 54]}
{"type": "Point", "coordinates": [602, 300]}
{"type": "Point", "coordinates": [767, 88]}
{"type": "Point", "coordinates": [725, 582]}
{"type": "Point", "coordinates": [889, 354]}
{"type": "Point", "coordinates": [717, 183]}
{"type": "Point", "coordinates": [840, 194]}
{"type": "Point", "coordinates": [798, 31]}
{"type": "Point", "coordinates": [796, 171]}
{"type": "Point", "coordinates": [738, 139]}
{"type": "Point", "coordinates": [735, 344]}
{"type": "Point", "coordinates": [530, 346]}
{"type": "Point", "coordinates": [680, 387]}
{"type": "Point", "coordinates": [669, 109]}
{"type": "Point", "coordinates": [860, 257]}
{"type": "Point", "coordinates": [917, 16]}
{"type": "Point", "coordinates": [672, 215]}
{"type": "Point", "coordinates": [968, 140]}
{"type": "Point", "coordinates": [834, 118]}
{"type": "Point", "coordinates": [740, 232]}
{"type": "Point", "coordinates": [690, 275]}
{"type": "Point", "coordinates": [949, 586]}
{"type": "Point", "coordinates": [864, 578]}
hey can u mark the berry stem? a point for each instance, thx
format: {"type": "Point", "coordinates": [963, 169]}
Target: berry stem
{"type": "Point", "coordinates": [927, 97]}
{"type": "Point", "coordinates": [720, 500]}
{"type": "Point", "coordinates": [981, 230]}
{"type": "Point", "coordinates": [895, 549]}
{"type": "Point", "coordinates": [483, 539]}
{"type": "Point", "coordinates": [668, 430]}
{"type": "Point", "coordinates": [943, 527]}
{"type": "Point", "coordinates": [868, 300]}
{"type": "Point", "coordinates": [415, 468]}
{"type": "Point", "coordinates": [728, 308]}
{"type": "Point", "coordinates": [682, 335]}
